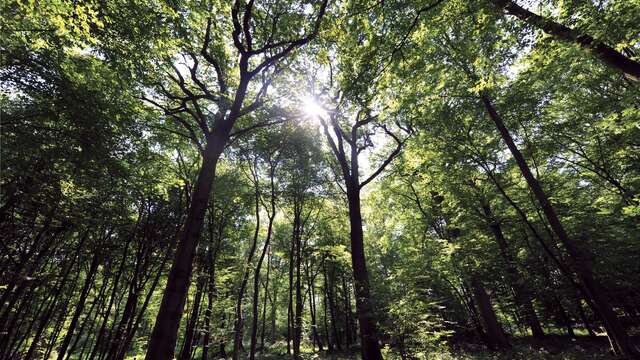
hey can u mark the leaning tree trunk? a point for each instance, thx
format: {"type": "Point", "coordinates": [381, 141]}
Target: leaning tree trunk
{"type": "Point", "coordinates": [495, 334]}
{"type": "Point", "coordinates": [602, 51]}
{"type": "Point", "coordinates": [165, 331]}
{"type": "Point", "coordinates": [54, 302]}
{"type": "Point", "coordinates": [522, 294]}
{"type": "Point", "coordinates": [580, 264]}
{"type": "Point", "coordinates": [79, 307]}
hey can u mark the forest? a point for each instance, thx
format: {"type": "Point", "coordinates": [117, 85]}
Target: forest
{"type": "Point", "coordinates": [319, 179]}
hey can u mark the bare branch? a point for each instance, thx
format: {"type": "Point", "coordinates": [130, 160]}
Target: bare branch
{"type": "Point", "coordinates": [222, 84]}
{"type": "Point", "coordinates": [173, 114]}
{"type": "Point", "coordinates": [238, 133]}
{"type": "Point", "coordinates": [237, 28]}
{"type": "Point", "coordinates": [246, 18]}
{"type": "Point", "coordinates": [289, 46]}
{"type": "Point", "coordinates": [389, 159]}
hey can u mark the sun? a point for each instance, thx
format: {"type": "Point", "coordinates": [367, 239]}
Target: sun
{"type": "Point", "coordinates": [312, 109]}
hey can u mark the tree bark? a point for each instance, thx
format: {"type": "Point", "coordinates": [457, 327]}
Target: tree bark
{"type": "Point", "coordinates": [164, 336]}
{"type": "Point", "coordinates": [79, 306]}
{"type": "Point", "coordinates": [494, 331]}
{"type": "Point", "coordinates": [605, 53]}
{"type": "Point", "coordinates": [368, 330]}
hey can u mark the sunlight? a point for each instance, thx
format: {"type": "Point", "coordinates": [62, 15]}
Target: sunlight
{"type": "Point", "coordinates": [312, 109]}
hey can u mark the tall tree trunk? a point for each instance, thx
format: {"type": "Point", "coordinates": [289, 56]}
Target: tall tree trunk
{"type": "Point", "coordinates": [61, 319]}
{"type": "Point", "coordinates": [189, 332]}
{"type": "Point", "coordinates": [207, 320]}
{"type": "Point", "coordinates": [368, 331]}
{"type": "Point", "coordinates": [256, 283]}
{"type": "Point", "coordinates": [580, 263]}
{"type": "Point", "coordinates": [333, 310]}
{"type": "Point", "coordinates": [522, 294]}
{"type": "Point", "coordinates": [495, 334]}
{"type": "Point", "coordinates": [347, 313]}
{"type": "Point", "coordinates": [88, 282]}
{"type": "Point", "coordinates": [239, 322]}
{"type": "Point", "coordinates": [605, 53]}
{"type": "Point", "coordinates": [163, 339]}
{"type": "Point", "coordinates": [274, 304]}
{"type": "Point", "coordinates": [129, 310]}
{"type": "Point", "coordinates": [290, 300]}
{"type": "Point", "coordinates": [54, 301]}
{"type": "Point", "coordinates": [9, 298]}
{"type": "Point", "coordinates": [264, 303]}
{"type": "Point", "coordinates": [87, 317]}
{"type": "Point", "coordinates": [312, 310]}
{"type": "Point", "coordinates": [297, 333]}
{"type": "Point", "coordinates": [324, 307]}
{"type": "Point", "coordinates": [112, 298]}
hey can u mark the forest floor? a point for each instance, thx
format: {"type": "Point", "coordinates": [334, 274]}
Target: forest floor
{"type": "Point", "coordinates": [525, 348]}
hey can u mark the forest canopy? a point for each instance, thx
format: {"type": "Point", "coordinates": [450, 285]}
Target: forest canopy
{"type": "Point", "coordinates": [374, 179]}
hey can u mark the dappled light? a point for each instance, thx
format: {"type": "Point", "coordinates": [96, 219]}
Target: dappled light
{"type": "Point", "coordinates": [317, 179]}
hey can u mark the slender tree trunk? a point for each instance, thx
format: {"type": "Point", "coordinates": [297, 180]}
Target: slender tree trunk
{"type": "Point", "coordinates": [79, 306]}
{"type": "Point", "coordinates": [114, 291]}
{"type": "Point", "coordinates": [325, 294]}
{"type": "Point", "coordinates": [313, 312]}
{"type": "Point", "coordinates": [264, 303]}
{"type": "Point", "coordinates": [274, 304]}
{"type": "Point", "coordinates": [97, 300]}
{"type": "Point", "coordinates": [469, 302]}
{"type": "Point", "coordinates": [347, 313]}
{"type": "Point", "coordinates": [495, 334]}
{"type": "Point", "coordinates": [9, 298]}
{"type": "Point", "coordinates": [165, 331]}
{"type": "Point", "coordinates": [605, 53]}
{"type": "Point", "coordinates": [332, 311]}
{"type": "Point", "coordinates": [581, 264]}
{"type": "Point", "coordinates": [239, 323]}
{"type": "Point", "coordinates": [61, 320]}
{"type": "Point", "coordinates": [522, 294]}
{"type": "Point", "coordinates": [290, 301]}
{"type": "Point", "coordinates": [129, 310]}
{"type": "Point", "coordinates": [16, 343]}
{"type": "Point", "coordinates": [297, 334]}
{"type": "Point", "coordinates": [189, 332]}
{"type": "Point", "coordinates": [207, 320]}
{"type": "Point", "coordinates": [256, 285]}
{"type": "Point", "coordinates": [47, 315]}
{"type": "Point", "coordinates": [214, 248]}
{"type": "Point", "coordinates": [133, 325]}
